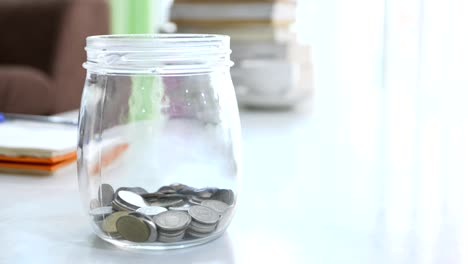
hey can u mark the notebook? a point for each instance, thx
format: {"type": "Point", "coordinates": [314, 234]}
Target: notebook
{"type": "Point", "coordinates": [34, 139]}
{"type": "Point", "coordinates": [42, 148]}
{"type": "Point", "coordinates": [38, 148]}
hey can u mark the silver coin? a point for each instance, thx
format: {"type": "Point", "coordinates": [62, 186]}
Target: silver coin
{"type": "Point", "coordinates": [101, 211]}
{"type": "Point", "coordinates": [137, 190]}
{"type": "Point", "coordinates": [216, 205]}
{"type": "Point", "coordinates": [196, 199]}
{"type": "Point", "coordinates": [172, 196]}
{"type": "Point", "coordinates": [151, 225]}
{"type": "Point", "coordinates": [178, 186]}
{"type": "Point", "coordinates": [225, 218]}
{"type": "Point", "coordinates": [194, 202]}
{"type": "Point", "coordinates": [171, 239]}
{"type": "Point", "coordinates": [166, 190]}
{"type": "Point", "coordinates": [224, 195]}
{"type": "Point", "coordinates": [171, 233]}
{"type": "Point", "coordinates": [159, 195]}
{"type": "Point", "coordinates": [184, 207]}
{"type": "Point", "coordinates": [199, 225]}
{"type": "Point", "coordinates": [167, 202]}
{"type": "Point", "coordinates": [205, 193]}
{"type": "Point", "coordinates": [118, 203]}
{"type": "Point", "coordinates": [203, 231]}
{"type": "Point", "coordinates": [131, 199]}
{"type": "Point", "coordinates": [105, 194]}
{"type": "Point", "coordinates": [121, 207]}
{"type": "Point", "coordinates": [196, 234]}
{"type": "Point", "coordinates": [154, 195]}
{"type": "Point", "coordinates": [203, 214]}
{"type": "Point", "coordinates": [151, 210]}
{"type": "Point", "coordinates": [202, 228]}
{"type": "Point", "coordinates": [172, 220]}
{"type": "Point", "coordinates": [186, 192]}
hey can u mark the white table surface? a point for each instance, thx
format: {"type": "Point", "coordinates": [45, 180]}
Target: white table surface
{"type": "Point", "coordinates": [356, 180]}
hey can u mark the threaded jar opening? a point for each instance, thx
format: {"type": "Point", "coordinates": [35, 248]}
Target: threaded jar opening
{"type": "Point", "coordinates": [158, 54]}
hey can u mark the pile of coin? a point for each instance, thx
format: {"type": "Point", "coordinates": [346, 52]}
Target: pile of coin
{"type": "Point", "coordinates": [204, 221]}
{"type": "Point", "coordinates": [173, 213]}
{"type": "Point", "coordinates": [172, 225]}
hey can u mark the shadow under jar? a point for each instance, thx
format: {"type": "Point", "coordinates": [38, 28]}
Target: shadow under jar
{"type": "Point", "coordinates": [159, 139]}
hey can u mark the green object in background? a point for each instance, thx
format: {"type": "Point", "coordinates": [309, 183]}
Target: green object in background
{"type": "Point", "coordinates": [133, 16]}
{"type": "Point", "coordinates": [139, 17]}
{"type": "Point", "coordinates": [145, 100]}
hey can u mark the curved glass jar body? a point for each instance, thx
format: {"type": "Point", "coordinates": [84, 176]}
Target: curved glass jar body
{"type": "Point", "coordinates": [158, 151]}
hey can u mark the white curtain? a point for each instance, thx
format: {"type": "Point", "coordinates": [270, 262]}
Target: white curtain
{"type": "Point", "coordinates": [406, 44]}
{"type": "Point", "coordinates": [392, 95]}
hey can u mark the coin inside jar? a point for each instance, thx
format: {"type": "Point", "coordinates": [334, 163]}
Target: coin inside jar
{"type": "Point", "coordinates": [196, 234]}
{"type": "Point", "coordinates": [131, 199]}
{"type": "Point", "coordinates": [179, 186]}
{"type": "Point", "coordinates": [216, 205]}
{"type": "Point", "coordinates": [151, 210]}
{"type": "Point", "coordinates": [202, 228]}
{"type": "Point", "coordinates": [172, 214]}
{"type": "Point", "coordinates": [105, 194]}
{"type": "Point", "coordinates": [205, 193]}
{"type": "Point", "coordinates": [101, 211]}
{"type": "Point", "coordinates": [183, 207]}
{"type": "Point", "coordinates": [195, 199]}
{"type": "Point", "coordinates": [109, 223]}
{"type": "Point", "coordinates": [171, 239]}
{"type": "Point", "coordinates": [203, 214]}
{"type": "Point", "coordinates": [167, 202]}
{"type": "Point", "coordinates": [133, 228]}
{"type": "Point", "coordinates": [172, 220]}
{"type": "Point", "coordinates": [227, 215]}
{"type": "Point", "coordinates": [151, 225]}
{"type": "Point", "coordinates": [224, 195]}
{"type": "Point", "coordinates": [138, 190]}
{"type": "Point", "coordinates": [153, 230]}
{"type": "Point", "coordinates": [166, 190]}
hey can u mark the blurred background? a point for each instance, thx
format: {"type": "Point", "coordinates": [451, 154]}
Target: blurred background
{"type": "Point", "coordinates": [281, 48]}
{"type": "Point", "coordinates": [43, 46]}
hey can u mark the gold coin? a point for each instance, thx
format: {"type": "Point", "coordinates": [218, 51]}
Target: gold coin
{"type": "Point", "coordinates": [109, 224]}
{"type": "Point", "coordinates": [133, 229]}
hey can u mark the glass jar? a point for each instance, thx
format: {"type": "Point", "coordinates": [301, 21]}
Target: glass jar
{"type": "Point", "coordinates": [159, 135]}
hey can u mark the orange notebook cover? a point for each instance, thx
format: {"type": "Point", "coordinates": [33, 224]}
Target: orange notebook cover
{"type": "Point", "coordinates": [34, 168]}
{"type": "Point", "coordinates": [38, 160]}
{"type": "Point", "coordinates": [35, 165]}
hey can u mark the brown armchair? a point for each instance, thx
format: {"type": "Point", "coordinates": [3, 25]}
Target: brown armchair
{"type": "Point", "coordinates": [42, 52]}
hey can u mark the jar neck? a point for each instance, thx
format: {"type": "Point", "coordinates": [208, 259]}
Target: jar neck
{"type": "Point", "coordinates": [157, 54]}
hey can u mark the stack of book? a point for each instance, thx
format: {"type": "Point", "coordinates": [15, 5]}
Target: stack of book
{"type": "Point", "coordinates": [271, 67]}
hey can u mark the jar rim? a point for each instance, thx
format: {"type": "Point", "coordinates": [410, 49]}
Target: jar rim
{"type": "Point", "coordinates": [149, 40]}
{"type": "Point", "coordinates": [174, 36]}
{"type": "Point", "coordinates": [157, 53]}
